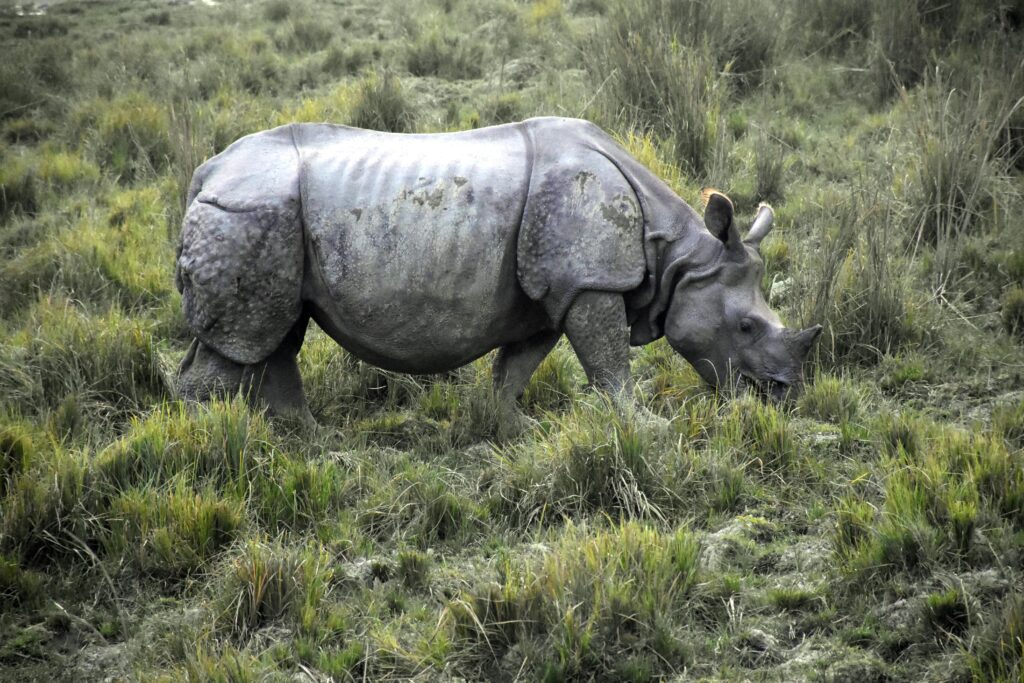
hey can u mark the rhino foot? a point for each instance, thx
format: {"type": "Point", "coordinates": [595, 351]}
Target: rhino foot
{"type": "Point", "coordinates": [274, 383]}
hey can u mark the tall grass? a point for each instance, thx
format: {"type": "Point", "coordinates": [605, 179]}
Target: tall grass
{"type": "Point", "coordinates": [110, 357]}
{"type": "Point", "coordinates": [656, 73]}
{"type": "Point", "coordinates": [860, 293]}
{"type": "Point", "coordinates": [958, 170]}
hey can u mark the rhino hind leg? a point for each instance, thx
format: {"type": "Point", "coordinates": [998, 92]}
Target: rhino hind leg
{"type": "Point", "coordinates": [205, 374]}
{"type": "Point", "coordinates": [515, 363]}
{"type": "Point", "coordinates": [240, 275]}
{"type": "Point", "coordinates": [274, 383]}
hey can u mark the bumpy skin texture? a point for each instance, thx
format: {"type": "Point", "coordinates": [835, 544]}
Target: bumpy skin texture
{"type": "Point", "coordinates": [241, 263]}
{"type": "Point", "coordinates": [420, 253]}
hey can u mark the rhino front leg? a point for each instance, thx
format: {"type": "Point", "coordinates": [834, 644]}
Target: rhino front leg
{"type": "Point", "coordinates": [597, 329]}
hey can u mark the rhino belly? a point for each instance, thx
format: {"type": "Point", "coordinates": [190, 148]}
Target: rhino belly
{"type": "Point", "coordinates": [413, 241]}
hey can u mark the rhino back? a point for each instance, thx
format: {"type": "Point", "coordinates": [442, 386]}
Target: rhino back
{"type": "Point", "coordinates": [413, 241]}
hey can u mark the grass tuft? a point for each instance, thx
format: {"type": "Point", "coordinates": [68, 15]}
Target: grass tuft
{"type": "Point", "coordinates": [382, 104]}
{"type": "Point", "coordinates": [220, 443]}
{"type": "Point", "coordinates": [830, 399]}
{"type": "Point", "coordinates": [998, 655]}
{"type": "Point", "coordinates": [1008, 422]}
{"type": "Point", "coordinates": [268, 582]}
{"type": "Point", "coordinates": [581, 607]}
{"type": "Point", "coordinates": [171, 534]}
{"type": "Point", "coordinates": [65, 351]}
{"type": "Point", "coordinates": [946, 614]}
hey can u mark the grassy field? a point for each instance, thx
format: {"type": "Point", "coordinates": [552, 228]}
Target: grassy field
{"type": "Point", "coordinates": [872, 531]}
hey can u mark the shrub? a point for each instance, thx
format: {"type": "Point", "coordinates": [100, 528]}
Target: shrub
{"type": "Point", "coordinates": [1012, 312]}
{"type": "Point", "coordinates": [381, 104]}
{"type": "Point", "coordinates": [19, 186]}
{"type": "Point", "coordinates": [451, 57]}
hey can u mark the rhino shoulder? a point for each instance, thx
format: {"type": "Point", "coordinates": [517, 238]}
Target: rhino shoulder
{"type": "Point", "coordinates": [582, 225]}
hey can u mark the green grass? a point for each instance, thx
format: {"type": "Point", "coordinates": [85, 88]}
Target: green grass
{"type": "Point", "coordinates": [871, 528]}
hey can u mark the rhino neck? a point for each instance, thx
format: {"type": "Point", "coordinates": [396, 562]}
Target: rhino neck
{"type": "Point", "coordinates": [693, 255]}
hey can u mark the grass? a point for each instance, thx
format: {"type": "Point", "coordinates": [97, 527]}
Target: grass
{"type": "Point", "coordinates": [870, 528]}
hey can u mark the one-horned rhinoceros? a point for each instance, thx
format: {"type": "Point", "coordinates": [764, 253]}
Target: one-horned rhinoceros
{"type": "Point", "coordinates": [420, 253]}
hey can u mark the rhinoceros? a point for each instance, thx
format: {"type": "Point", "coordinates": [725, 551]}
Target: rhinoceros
{"type": "Point", "coordinates": [420, 253]}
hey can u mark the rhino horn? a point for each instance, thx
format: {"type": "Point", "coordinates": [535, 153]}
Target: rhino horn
{"type": "Point", "coordinates": [761, 227]}
{"type": "Point", "coordinates": [803, 341]}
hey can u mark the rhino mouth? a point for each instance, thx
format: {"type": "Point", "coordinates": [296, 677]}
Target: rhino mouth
{"type": "Point", "coordinates": [775, 389]}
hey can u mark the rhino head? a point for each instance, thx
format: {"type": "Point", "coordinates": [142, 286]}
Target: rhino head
{"type": "Point", "coordinates": [717, 317]}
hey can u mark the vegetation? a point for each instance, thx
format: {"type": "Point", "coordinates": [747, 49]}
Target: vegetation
{"type": "Point", "coordinates": [871, 529]}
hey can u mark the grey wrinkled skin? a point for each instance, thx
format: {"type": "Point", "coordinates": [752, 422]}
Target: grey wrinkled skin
{"type": "Point", "coordinates": [420, 253]}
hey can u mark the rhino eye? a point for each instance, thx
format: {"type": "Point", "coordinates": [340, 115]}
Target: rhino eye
{"type": "Point", "coordinates": [746, 325]}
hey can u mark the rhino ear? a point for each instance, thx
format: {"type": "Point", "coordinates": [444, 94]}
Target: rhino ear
{"type": "Point", "coordinates": [718, 215]}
